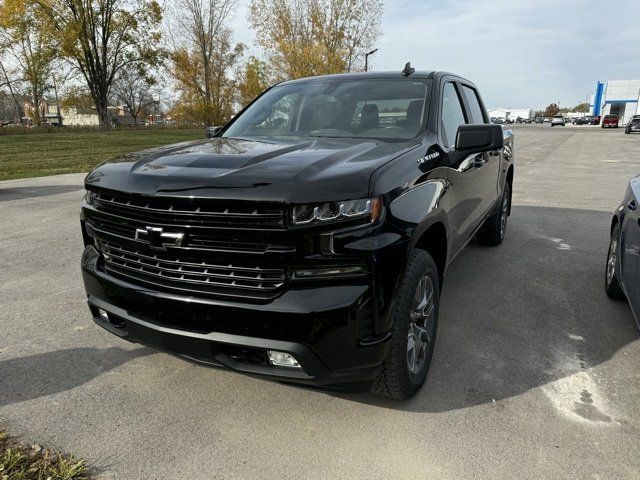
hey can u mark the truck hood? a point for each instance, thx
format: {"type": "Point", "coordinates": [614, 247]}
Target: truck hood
{"type": "Point", "coordinates": [292, 171]}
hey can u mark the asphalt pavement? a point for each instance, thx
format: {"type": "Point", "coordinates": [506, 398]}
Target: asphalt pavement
{"type": "Point", "coordinates": [536, 373]}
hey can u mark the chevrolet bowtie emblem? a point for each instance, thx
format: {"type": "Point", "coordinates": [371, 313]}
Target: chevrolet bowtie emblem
{"type": "Point", "coordinates": [158, 239]}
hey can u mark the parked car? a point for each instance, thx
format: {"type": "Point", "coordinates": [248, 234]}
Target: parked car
{"type": "Point", "coordinates": [308, 241]}
{"type": "Point", "coordinates": [547, 119]}
{"type": "Point", "coordinates": [582, 120]}
{"type": "Point", "coordinates": [557, 120]}
{"type": "Point", "coordinates": [621, 273]}
{"type": "Point", "coordinates": [539, 120]}
{"type": "Point", "coordinates": [633, 125]}
{"type": "Point", "coordinates": [610, 121]}
{"type": "Point", "coordinates": [497, 120]}
{"type": "Point", "coordinates": [212, 131]}
{"type": "Point", "coordinates": [526, 120]}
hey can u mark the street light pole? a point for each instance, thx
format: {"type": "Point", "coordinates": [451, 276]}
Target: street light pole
{"type": "Point", "coordinates": [366, 59]}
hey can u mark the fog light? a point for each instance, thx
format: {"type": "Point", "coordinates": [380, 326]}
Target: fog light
{"type": "Point", "coordinates": [103, 315]}
{"type": "Point", "coordinates": [282, 359]}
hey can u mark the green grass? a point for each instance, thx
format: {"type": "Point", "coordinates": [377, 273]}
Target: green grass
{"type": "Point", "coordinates": [42, 154]}
{"type": "Point", "coordinates": [32, 462]}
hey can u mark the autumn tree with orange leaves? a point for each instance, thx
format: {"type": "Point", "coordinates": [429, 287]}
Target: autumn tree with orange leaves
{"type": "Point", "coordinates": [315, 37]}
{"type": "Point", "coordinates": [252, 79]}
{"type": "Point", "coordinates": [100, 38]}
{"type": "Point", "coordinates": [23, 36]}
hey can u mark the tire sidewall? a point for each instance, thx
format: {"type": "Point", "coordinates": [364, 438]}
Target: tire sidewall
{"type": "Point", "coordinates": [421, 263]}
{"type": "Point", "coordinates": [506, 197]}
{"type": "Point", "coordinates": [616, 270]}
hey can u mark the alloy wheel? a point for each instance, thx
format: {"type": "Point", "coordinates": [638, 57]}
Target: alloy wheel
{"type": "Point", "coordinates": [612, 258]}
{"type": "Point", "coordinates": [504, 213]}
{"type": "Point", "coordinates": [421, 326]}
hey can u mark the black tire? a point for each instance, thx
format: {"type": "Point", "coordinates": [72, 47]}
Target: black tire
{"type": "Point", "coordinates": [611, 282]}
{"type": "Point", "coordinates": [396, 378]}
{"type": "Point", "coordinates": [494, 228]}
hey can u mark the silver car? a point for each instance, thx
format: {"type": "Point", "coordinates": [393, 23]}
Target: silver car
{"type": "Point", "coordinates": [557, 120]}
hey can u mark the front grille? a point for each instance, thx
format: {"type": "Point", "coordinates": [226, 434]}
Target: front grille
{"type": "Point", "coordinates": [187, 211]}
{"type": "Point", "coordinates": [209, 239]}
{"type": "Point", "coordinates": [247, 228]}
{"type": "Point", "coordinates": [167, 271]}
{"type": "Point", "coordinates": [235, 251]}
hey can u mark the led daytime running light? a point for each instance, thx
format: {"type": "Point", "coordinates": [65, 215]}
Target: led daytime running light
{"type": "Point", "coordinates": [332, 211]}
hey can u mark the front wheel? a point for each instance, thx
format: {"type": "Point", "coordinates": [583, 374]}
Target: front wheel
{"type": "Point", "coordinates": [611, 282]}
{"type": "Point", "coordinates": [415, 321]}
{"type": "Point", "coordinates": [494, 229]}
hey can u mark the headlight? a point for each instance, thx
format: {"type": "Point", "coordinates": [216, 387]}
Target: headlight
{"type": "Point", "coordinates": [88, 197]}
{"type": "Point", "coordinates": [366, 208]}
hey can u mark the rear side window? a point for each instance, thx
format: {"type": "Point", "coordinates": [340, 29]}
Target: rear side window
{"type": "Point", "coordinates": [452, 114]}
{"type": "Point", "coordinates": [475, 110]}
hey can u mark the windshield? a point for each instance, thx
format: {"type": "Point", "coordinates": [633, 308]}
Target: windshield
{"type": "Point", "coordinates": [382, 109]}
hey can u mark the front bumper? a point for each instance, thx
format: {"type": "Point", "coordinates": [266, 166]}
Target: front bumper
{"type": "Point", "coordinates": [320, 326]}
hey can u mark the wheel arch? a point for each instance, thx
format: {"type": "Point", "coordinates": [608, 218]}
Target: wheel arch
{"type": "Point", "coordinates": [509, 180]}
{"type": "Point", "coordinates": [434, 240]}
{"type": "Point", "coordinates": [614, 221]}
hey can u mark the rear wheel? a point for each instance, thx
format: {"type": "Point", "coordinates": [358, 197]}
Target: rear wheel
{"type": "Point", "coordinates": [415, 321]}
{"type": "Point", "coordinates": [611, 282]}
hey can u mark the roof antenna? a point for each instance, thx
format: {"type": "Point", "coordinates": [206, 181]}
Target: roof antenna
{"type": "Point", "coordinates": [408, 70]}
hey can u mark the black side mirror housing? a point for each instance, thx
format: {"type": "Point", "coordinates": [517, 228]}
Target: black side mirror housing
{"type": "Point", "coordinates": [481, 137]}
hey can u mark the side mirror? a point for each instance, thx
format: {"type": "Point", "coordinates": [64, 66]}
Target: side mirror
{"type": "Point", "coordinates": [479, 138]}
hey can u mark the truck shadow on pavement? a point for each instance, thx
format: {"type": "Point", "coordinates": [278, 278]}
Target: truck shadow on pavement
{"type": "Point", "coordinates": [529, 313]}
{"type": "Point", "coordinates": [44, 374]}
{"type": "Point", "coordinates": [20, 193]}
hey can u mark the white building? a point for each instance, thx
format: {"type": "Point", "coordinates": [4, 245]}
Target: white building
{"type": "Point", "coordinates": [88, 117]}
{"type": "Point", "coordinates": [617, 97]}
{"type": "Point", "coordinates": [510, 113]}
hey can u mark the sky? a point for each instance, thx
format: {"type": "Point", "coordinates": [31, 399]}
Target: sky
{"type": "Point", "coordinates": [520, 53]}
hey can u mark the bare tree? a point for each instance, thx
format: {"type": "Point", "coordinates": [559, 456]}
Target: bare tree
{"type": "Point", "coordinates": [203, 56]}
{"type": "Point", "coordinates": [6, 79]}
{"type": "Point", "coordinates": [135, 91]}
{"type": "Point", "coordinates": [362, 29]}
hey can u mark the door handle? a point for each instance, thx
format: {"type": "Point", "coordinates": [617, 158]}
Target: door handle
{"type": "Point", "coordinates": [632, 205]}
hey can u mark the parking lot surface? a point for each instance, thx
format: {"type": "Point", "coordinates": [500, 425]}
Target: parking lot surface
{"type": "Point", "coordinates": [536, 373]}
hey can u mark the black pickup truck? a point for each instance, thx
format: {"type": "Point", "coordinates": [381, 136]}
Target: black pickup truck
{"type": "Point", "coordinates": [307, 242]}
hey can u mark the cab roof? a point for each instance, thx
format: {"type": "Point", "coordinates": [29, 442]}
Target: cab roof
{"type": "Point", "coordinates": [364, 75]}
{"type": "Point", "coordinates": [378, 75]}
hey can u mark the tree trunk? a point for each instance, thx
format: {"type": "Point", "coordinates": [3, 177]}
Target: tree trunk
{"type": "Point", "coordinates": [37, 119]}
{"type": "Point", "coordinates": [103, 113]}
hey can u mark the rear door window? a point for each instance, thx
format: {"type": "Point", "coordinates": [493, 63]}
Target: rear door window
{"type": "Point", "coordinates": [475, 112]}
